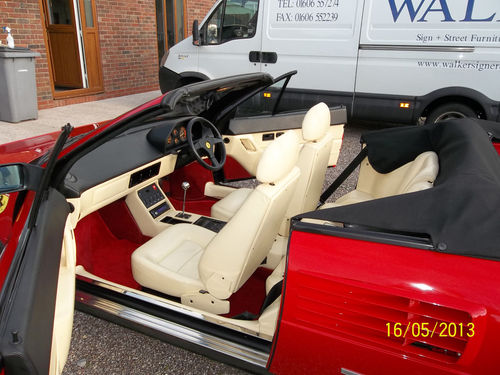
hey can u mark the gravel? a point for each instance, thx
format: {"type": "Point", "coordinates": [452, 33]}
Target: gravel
{"type": "Point", "coordinates": [98, 346]}
{"type": "Point", "coordinates": [101, 347]}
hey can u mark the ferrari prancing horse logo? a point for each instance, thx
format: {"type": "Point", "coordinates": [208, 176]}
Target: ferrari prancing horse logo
{"type": "Point", "coordinates": [4, 199]}
{"type": "Point", "coordinates": [208, 145]}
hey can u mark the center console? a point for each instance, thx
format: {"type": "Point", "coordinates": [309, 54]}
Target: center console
{"type": "Point", "coordinates": [153, 212]}
{"type": "Point", "coordinates": [150, 196]}
{"type": "Point", "coordinates": [206, 222]}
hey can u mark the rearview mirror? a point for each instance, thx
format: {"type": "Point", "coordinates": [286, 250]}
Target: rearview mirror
{"type": "Point", "coordinates": [196, 33]}
{"type": "Point", "coordinates": [18, 177]}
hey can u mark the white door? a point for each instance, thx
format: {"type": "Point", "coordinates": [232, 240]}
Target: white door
{"type": "Point", "coordinates": [230, 37]}
{"type": "Point", "coordinates": [318, 38]}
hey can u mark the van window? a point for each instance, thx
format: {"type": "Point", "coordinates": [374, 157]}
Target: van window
{"type": "Point", "coordinates": [233, 19]}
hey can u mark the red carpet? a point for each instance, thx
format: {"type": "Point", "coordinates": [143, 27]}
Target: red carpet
{"type": "Point", "coordinates": [251, 295]}
{"type": "Point", "coordinates": [102, 253]}
{"type": "Point", "coordinates": [105, 250]}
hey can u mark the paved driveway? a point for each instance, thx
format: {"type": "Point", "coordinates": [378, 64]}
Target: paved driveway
{"type": "Point", "coordinates": [50, 120]}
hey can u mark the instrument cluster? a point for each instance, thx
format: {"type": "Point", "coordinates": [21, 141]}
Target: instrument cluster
{"type": "Point", "coordinates": [177, 136]}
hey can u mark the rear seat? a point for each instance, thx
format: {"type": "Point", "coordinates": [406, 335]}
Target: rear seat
{"type": "Point", "coordinates": [416, 175]}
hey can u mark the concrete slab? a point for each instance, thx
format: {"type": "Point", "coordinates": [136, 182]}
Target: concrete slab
{"type": "Point", "coordinates": [50, 120]}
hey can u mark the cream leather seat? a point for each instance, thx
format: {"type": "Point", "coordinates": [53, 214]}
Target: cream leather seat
{"type": "Point", "coordinates": [416, 175]}
{"type": "Point", "coordinates": [204, 268]}
{"type": "Point", "coordinates": [313, 161]}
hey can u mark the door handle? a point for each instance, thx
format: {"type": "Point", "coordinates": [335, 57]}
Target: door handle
{"type": "Point", "coordinates": [263, 57]}
{"type": "Point", "coordinates": [269, 57]}
{"type": "Point", "coordinates": [254, 56]}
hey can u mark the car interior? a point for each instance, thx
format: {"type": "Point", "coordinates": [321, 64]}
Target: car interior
{"type": "Point", "coordinates": [152, 217]}
{"type": "Point", "coordinates": [144, 220]}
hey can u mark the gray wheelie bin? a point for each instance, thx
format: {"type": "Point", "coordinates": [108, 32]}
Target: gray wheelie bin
{"type": "Point", "coordinates": [18, 100]}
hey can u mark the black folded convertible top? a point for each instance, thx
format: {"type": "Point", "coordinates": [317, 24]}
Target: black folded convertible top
{"type": "Point", "coordinates": [461, 213]}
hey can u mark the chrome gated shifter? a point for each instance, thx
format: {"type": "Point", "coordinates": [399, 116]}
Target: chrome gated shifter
{"type": "Point", "coordinates": [185, 186]}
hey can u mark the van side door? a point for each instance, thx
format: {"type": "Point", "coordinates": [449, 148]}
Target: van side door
{"type": "Point", "coordinates": [318, 38]}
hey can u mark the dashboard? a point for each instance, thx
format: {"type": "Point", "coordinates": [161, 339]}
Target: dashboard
{"type": "Point", "coordinates": [130, 150]}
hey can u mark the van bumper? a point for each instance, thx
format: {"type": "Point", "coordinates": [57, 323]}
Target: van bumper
{"type": "Point", "coordinates": [169, 79]}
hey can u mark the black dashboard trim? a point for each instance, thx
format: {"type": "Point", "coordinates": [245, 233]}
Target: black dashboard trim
{"type": "Point", "coordinates": [120, 155]}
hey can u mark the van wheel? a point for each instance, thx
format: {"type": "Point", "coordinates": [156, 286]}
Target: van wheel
{"type": "Point", "coordinates": [450, 111]}
{"type": "Point", "coordinates": [188, 80]}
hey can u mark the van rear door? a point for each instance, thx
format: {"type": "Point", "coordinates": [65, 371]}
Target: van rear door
{"type": "Point", "coordinates": [318, 38]}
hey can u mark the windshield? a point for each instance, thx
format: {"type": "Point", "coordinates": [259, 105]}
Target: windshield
{"type": "Point", "coordinates": [198, 97]}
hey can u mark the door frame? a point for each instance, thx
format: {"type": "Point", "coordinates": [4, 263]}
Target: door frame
{"type": "Point", "coordinates": [165, 23]}
{"type": "Point", "coordinates": [76, 92]}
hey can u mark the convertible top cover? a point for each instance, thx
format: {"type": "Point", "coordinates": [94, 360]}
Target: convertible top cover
{"type": "Point", "coordinates": [461, 213]}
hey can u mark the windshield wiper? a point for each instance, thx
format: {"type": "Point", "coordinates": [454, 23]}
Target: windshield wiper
{"type": "Point", "coordinates": [69, 141]}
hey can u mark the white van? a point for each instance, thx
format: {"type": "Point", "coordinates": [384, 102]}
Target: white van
{"type": "Point", "coordinates": [401, 61]}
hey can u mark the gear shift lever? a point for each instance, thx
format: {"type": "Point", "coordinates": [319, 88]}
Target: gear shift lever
{"type": "Point", "coordinates": [185, 186]}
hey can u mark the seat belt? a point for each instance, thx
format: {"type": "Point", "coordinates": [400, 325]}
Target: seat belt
{"type": "Point", "coordinates": [342, 177]}
{"type": "Point", "coordinates": [272, 296]}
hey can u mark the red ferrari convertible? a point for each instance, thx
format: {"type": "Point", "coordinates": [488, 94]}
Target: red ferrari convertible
{"type": "Point", "coordinates": [140, 221]}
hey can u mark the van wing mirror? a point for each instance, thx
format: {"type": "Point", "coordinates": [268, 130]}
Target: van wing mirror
{"type": "Point", "coordinates": [18, 177]}
{"type": "Point", "coordinates": [196, 33]}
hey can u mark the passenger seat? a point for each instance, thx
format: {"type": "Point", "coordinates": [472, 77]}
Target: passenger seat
{"type": "Point", "coordinates": [313, 161]}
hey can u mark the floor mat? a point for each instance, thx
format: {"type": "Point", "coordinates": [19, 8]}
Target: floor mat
{"type": "Point", "coordinates": [251, 295]}
{"type": "Point", "coordinates": [101, 253]}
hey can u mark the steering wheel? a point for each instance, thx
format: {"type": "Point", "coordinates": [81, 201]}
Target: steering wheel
{"type": "Point", "coordinates": [203, 137]}
{"type": "Point", "coordinates": [240, 30]}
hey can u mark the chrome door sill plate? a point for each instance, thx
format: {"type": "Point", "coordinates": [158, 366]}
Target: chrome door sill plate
{"type": "Point", "coordinates": [191, 336]}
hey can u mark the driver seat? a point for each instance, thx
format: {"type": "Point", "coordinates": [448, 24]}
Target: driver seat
{"type": "Point", "coordinates": [204, 268]}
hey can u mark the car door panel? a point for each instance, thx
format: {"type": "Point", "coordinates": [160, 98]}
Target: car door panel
{"type": "Point", "coordinates": [65, 303]}
{"type": "Point", "coordinates": [261, 124]}
{"type": "Point", "coordinates": [29, 293]}
{"type": "Point", "coordinates": [247, 149]}
{"type": "Point", "coordinates": [280, 121]}
{"type": "Point", "coordinates": [248, 137]}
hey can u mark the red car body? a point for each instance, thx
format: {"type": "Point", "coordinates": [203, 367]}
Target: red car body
{"type": "Point", "coordinates": [352, 304]}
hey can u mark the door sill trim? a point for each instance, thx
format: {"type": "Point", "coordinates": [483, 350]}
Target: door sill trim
{"type": "Point", "coordinates": [175, 332]}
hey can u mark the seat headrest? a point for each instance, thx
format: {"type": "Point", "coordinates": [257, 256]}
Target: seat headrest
{"type": "Point", "coordinates": [316, 122]}
{"type": "Point", "coordinates": [279, 158]}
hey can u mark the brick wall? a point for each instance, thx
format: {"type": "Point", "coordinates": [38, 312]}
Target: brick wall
{"type": "Point", "coordinates": [24, 18]}
{"type": "Point", "coordinates": [129, 51]}
{"type": "Point", "coordinates": [127, 33]}
{"type": "Point", "coordinates": [197, 10]}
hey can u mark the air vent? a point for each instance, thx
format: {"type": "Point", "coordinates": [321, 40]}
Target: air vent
{"type": "Point", "coordinates": [363, 315]}
{"type": "Point", "coordinates": [144, 174]}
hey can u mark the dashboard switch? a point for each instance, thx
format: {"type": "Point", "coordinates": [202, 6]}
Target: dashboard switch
{"type": "Point", "coordinates": [150, 195]}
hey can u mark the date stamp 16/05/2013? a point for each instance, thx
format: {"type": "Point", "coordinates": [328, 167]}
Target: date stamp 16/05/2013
{"type": "Point", "coordinates": [427, 329]}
